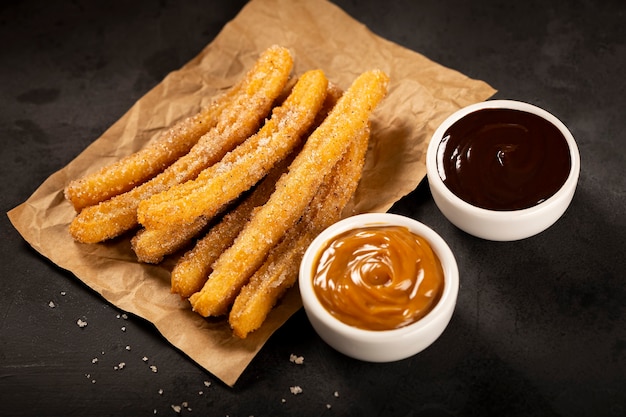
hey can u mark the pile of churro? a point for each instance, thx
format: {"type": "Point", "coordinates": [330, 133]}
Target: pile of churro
{"type": "Point", "coordinates": [237, 192]}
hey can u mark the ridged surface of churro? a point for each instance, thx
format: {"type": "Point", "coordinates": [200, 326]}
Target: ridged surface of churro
{"type": "Point", "coordinates": [240, 169]}
{"type": "Point", "coordinates": [294, 191]}
{"type": "Point", "coordinates": [193, 268]}
{"type": "Point", "coordinates": [240, 119]}
{"type": "Point", "coordinates": [279, 272]}
{"type": "Point", "coordinates": [144, 164]}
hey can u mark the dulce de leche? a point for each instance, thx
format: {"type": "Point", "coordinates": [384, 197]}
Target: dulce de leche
{"type": "Point", "coordinates": [378, 277]}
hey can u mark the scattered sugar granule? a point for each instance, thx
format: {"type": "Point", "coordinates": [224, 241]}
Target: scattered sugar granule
{"type": "Point", "coordinates": [283, 400]}
{"type": "Point", "coordinates": [207, 383]}
{"type": "Point", "coordinates": [127, 347]}
{"type": "Point", "coordinates": [200, 392]}
{"type": "Point", "coordinates": [328, 406]}
{"type": "Point", "coordinates": [145, 359]}
{"type": "Point", "coordinates": [94, 360]}
{"type": "Point", "coordinates": [295, 390]}
{"type": "Point", "coordinates": [123, 328]}
{"type": "Point", "coordinates": [51, 304]}
{"type": "Point", "coordinates": [125, 316]}
{"type": "Point", "coordinates": [336, 394]}
{"type": "Point", "coordinates": [81, 323]}
{"type": "Point", "coordinates": [160, 391]}
{"type": "Point", "coordinates": [176, 408]}
{"type": "Point", "coordinates": [154, 369]}
{"type": "Point", "coordinates": [63, 293]}
{"type": "Point", "coordinates": [121, 365]}
{"type": "Point", "coordinates": [298, 360]}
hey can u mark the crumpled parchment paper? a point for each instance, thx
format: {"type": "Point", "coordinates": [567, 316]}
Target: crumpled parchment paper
{"type": "Point", "coordinates": [320, 35]}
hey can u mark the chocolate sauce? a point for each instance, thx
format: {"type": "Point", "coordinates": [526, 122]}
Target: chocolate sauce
{"type": "Point", "coordinates": [503, 159]}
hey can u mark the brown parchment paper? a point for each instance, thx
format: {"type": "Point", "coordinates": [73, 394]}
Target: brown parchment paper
{"type": "Point", "coordinates": [320, 35]}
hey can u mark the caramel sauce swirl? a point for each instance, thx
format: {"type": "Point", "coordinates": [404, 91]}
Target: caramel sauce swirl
{"type": "Point", "coordinates": [378, 278]}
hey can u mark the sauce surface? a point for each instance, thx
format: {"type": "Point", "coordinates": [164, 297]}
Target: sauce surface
{"type": "Point", "coordinates": [378, 278]}
{"type": "Point", "coordinates": [503, 159]}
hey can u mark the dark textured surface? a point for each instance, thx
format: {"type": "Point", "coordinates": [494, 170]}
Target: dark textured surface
{"type": "Point", "coordinates": [540, 326]}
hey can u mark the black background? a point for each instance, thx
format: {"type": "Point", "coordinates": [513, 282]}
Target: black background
{"type": "Point", "coordinates": [540, 326]}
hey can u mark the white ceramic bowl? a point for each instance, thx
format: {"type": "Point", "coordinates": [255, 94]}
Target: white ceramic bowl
{"type": "Point", "coordinates": [380, 345]}
{"type": "Point", "coordinates": [501, 225]}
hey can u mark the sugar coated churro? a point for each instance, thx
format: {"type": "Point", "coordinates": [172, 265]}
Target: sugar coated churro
{"type": "Point", "coordinates": [242, 186]}
{"type": "Point", "coordinates": [237, 172]}
{"type": "Point", "coordinates": [240, 119]}
{"type": "Point", "coordinates": [193, 268]}
{"type": "Point", "coordinates": [294, 191]}
{"type": "Point", "coordinates": [144, 164]}
{"type": "Point", "coordinates": [280, 270]}
{"type": "Point", "coordinates": [245, 165]}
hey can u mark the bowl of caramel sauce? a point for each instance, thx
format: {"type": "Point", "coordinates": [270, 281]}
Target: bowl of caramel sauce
{"type": "Point", "coordinates": [502, 170]}
{"type": "Point", "coordinates": [379, 287]}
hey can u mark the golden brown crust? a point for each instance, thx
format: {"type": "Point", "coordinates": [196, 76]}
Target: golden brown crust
{"type": "Point", "coordinates": [193, 268]}
{"type": "Point", "coordinates": [240, 169]}
{"type": "Point", "coordinates": [134, 169]}
{"type": "Point", "coordinates": [243, 159]}
{"type": "Point", "coordinates": [279, 272]}
{"type": "Point", "coordinates": [240, 119]}
{"type": "Point", "coordinates": [294, 191]}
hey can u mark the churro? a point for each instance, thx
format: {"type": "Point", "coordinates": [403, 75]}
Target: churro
{"type": "Point", "coordinates": [240, 119]}
{"type": "Point", "coordinates": [294, 191]}
{"type": "Point", "coordinates": [240, 169]}
{"type": "Point", "coordinates": [217, 186]}
{"type": "Point", "coordinates": [280, 270]}
{"type": "Point", "coordinates": [134, 169]}
{"type": "Point", "coordinates": [193, 268]}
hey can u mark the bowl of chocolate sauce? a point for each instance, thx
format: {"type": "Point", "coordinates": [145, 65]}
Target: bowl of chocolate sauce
{"type": "Point", "coordinates": [502, 170]}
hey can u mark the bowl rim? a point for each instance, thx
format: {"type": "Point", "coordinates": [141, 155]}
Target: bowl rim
{"type": "Point", "coordinates": [431, 319]}
{"type": "Point", "coordinates": [563, 193]}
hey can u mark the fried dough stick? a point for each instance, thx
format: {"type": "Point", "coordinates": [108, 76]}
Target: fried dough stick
{"type": "Point", "coordinates": [151, 246]}
{"type": "Point", "coordinates": [240, 119]}
{"type": "Point", "coordinates": [280, 270]}
{"type": "Point", "coordinates": [237, 172]}
{"type": "Point", "coordinates": [134, 169]}
{"type": "Point", "coordinates": [294, 191]}
{"type": "Point", "coordinates": [240, 169]}
{"type": "Point", "coordinates": [193, 268]}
